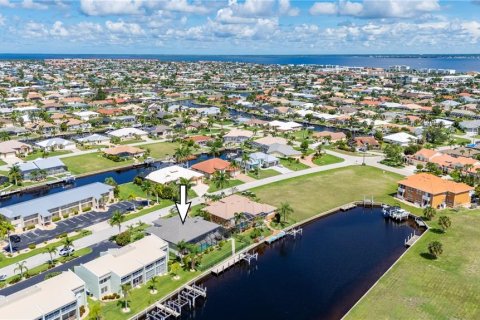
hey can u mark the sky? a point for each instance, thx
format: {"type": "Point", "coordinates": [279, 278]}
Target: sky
{"type": "Point", "coordinates": [239, 26]}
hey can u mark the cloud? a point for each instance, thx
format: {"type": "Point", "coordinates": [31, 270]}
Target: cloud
{"type": "Point", "coordinates": [59, 30]}
{"type": "Point", "coordinates": [30, 4]}
{"type": "Point", "coordinates": [111, 7]}
{"type": "Point", "coordinates": [472, 28]}
{"type": "Point", "coordinates": [124, 28]}
{"type": "Point", "coordinates": [286, 9]}
{"type": "Point", "coordinates": [184, 6]}
{"type": "Point", "coordinates": [376, 9]}
{"type": "Point", "coordinates": [6, 3]}
{"type": "Point", "coordinates": [2, 20]}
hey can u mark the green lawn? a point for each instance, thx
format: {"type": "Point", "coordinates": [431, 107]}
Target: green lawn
{"type": "Point", "coordinates": [293, 165]}
{"type": "Point", "coordinates": [2, 163]}
{"type": "Point", "coordinates": [160, 205]}
{"type": "Point", "coordinates": [262, 174]}
{"type": "Point", "coordinates": [160, 150]}
{"type": "Point", "coordinates": [130, 188]}
{"type": "Point", "coordinates": [231, 183]}
{"type": "Point", "coordinates": [418, 287]}
{"type": "Point", "coordinates": [38, 154]}
{"type": "Point", "coordinates": [131, 141]}
{"type": "Point", "coordinates": [91, 162]}
{"type": "Point", "coordinates": [327, 159]}
{"type": "Point", "coordinates": [314, 193]}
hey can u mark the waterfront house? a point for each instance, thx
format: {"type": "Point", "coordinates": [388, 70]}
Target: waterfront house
{"type": "Point", "coordinates": [134, 264]}
{"type": "Point", "coordinates": [210, 166]}
{"type": "Point", "coordinates": [366, 143]}
{"type": "Point", "coordinates": [223, 211]}
{"type": "Point", "coordinates": [200, 140]}
{"type": "Point", "coordinates": [47, 166]}
{"type": "Point", "coordinates": [332, 136]}
{"type": "Point", "coordinates": [43, 210]}
{"type": "Point", "coordinates": [55, 144]}
{"type": "Point", "coordinates": [14, 148]}
{"type": "Point", "coordinates": [173, 174]}
{"type": "Point", "coordinates": [59, 297]}
{"type": "Point", "coordinates": [258, 160]}
{"type": "Point", "coordinates": [427, 190]}
{"type": "Point", "coordinates": [124, 152]}
{"type": "Point", "coordinates": [195, 230]}
{"type": "Point", "coordinates": [264, 143]}
{"type": "Point", "coordinates": [400, 138]}
{"type": "Point", "coordinates": [283, 151]}
{"type": "Point", "coordinates": [94, 139]}
{"type": "Point", "coordinates": [237, 136]}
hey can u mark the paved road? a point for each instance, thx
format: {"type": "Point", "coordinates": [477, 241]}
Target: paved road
{"type": "Point", "coordinates": [96, 250]}
{"type": "Point", "coordinates": [79, 222]}
{"type": "Point", "coordinates": [103, 231]}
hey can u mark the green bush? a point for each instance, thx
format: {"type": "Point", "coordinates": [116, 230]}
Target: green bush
{"type": "Point", "coordinates": [30, 227]}
{"type": "Point", "coordinates": [55, 219]}
{"type": "Point", "coordinates": [52, 274]}
{"type": "Point", "coordinates": [15, 280]}
{"type": "Point", "coordinates": [62, 235]}
{"type": "Point", "coordinates": [87, 209]}
{"type": "Point", "coordinates": [32, 246]}
{"type": "Point", "coordinates": [123, 238]}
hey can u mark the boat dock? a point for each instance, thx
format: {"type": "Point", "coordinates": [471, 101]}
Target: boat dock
{"type": "Point", "coordinates": [411, 240]}
{"type": "Point", "coordinates": [174, 307]}
{"type": "Point", "coordinates": [275, 237]}
{"type": "Point", "coordinates": [234, 260]}
{"type": "Point", "coordinates": [347, 207]}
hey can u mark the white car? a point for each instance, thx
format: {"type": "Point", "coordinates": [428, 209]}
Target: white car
{"type": "Point", "coordinates": [66, 251]}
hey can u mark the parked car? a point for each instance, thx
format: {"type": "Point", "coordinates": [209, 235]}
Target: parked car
{"type": "Point", "coordinates": [3, 277]}
{"type": "Point", "coordinates": [66, 251]}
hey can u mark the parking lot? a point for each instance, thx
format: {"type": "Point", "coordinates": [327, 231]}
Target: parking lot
{"type": "Point", "coordinates": [72, 224]}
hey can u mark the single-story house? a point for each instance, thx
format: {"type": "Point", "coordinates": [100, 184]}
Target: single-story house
{"type": "Point", "coordinates": [366, 143]}
{"type": "Point", "coordinates": [195, 231]}
{"type": "Point", "coordinates": [284, 126]}
{"type": "Point", "coordinates": [264, 143]}
{"type": "Point", "coordinates": [283, 151]}
{"type": "Point", "coordinates": [14, 148]}
{"type": "Point", "coordinates": [161, 131]}
{"type": "Point", "coordinates": [59, 297]}
{"type": "Point", "coordinates": [210, 166]}
{"type": "Point", "coordinates": [173, 174]}
{"type": "Point", "coordinates": [93, 139]}
{"type": "Point", "coordinates": [470, 127]}
{"type": "Point", "coordinates": [400, 138]}
{"type": "Point", "coordinates": [223, 211]}
{"type": "Point", "coordinates": [134, 264]}
{"type": "Point", "coordinates": [55, 144]}
{"type": "Point", "coordinates": [258, 160]}
{"type": "Point", "coordinates": [334, 136]}
{"type": "Point", "coordinates": [200, 140]}
{"type": "Point", "coordinates": [124, 152]}
{"type": "Point", "coordinates": [42, 210]}
{"type": "Point", "coordinates": [237, 136]}
{"type": "Point", "coordinates": [428, 190]}
{"type": "Point", "coordinates": [49, 166]}
{"type": "Point", "coordinates": [128, 133]}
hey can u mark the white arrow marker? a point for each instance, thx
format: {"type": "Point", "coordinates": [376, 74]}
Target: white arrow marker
{"type": "Point", "coordinates": [183, 206]}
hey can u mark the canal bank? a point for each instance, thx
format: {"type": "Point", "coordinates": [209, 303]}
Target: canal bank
{"type": "Point", "coordinates": [320, 274]}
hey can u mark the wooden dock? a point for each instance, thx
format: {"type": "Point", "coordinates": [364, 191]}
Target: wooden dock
{"type": "Point", "coordinates": [347, 207]}
{"type": "Point", "coordinates": [168, 310]}
{"type": "Point", "coordinates": [411, 240]}
{"type": "Point", "coordinates": [227, 264]}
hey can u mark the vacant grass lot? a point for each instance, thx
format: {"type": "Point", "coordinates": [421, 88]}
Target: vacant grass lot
{"type": "Point", "coordinates": [91, 162]}
{"type": "Point", "coordinates": [327, 159]}
{"type": "Point", "coordinates": [293, 164]}
{"type": "Point", "coordinates": [160, 150]}
{"type": "Point", "coordinates": [314, 193]}
{"type": "Point", "coordinates": [420, 288]}
{"type": "Point", "coordinates": [130, 188]}
{"type": "Point", "coordinates": [262, 174]}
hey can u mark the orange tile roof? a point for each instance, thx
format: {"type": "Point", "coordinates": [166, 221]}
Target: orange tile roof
{"type": "Point", "coordinates": [199, 138]}
{"type": "Point", "coordinates": [210, 166]}
{"type": "Point", "coordinates": [124, 149]}
{"type": "Point", "coordinates": [434, 185]}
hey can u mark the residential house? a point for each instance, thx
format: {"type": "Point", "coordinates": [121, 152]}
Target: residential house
{"type": "Point", "coordinates": [94, 139]}
{"type": "Point", "coordinates": [258, 160]}
{"type": "Point", "coordinates": [55, 144]}
{"type": "Point", "coordinates": [124, 152]}
{"type": "Point", "coordinates": [200, 140]}
{"type": "Point", "coordinates": [14, 148]}
{"type": "Point", "coordinates": [366, 143]}
{"type": "Point", "coordinates": [48, 167]}
{"type": "Point", "coordinates": [173, 174]}
{"type": "Point", "coordinates": [210, 166]}
{"type": "Point", "coordinates": [400, 138]}
{"type": "Point", "coordinates": [237, 136]}
{"type": "Point", "coordinates": [427, 190]}
{"type": "Point", "coordinates": [264, 143]}
{"type": "Point", "coordinates": [134, 264]}
{"type": "Point", "coordinates": [128, 134]}
{"type": "Point", "coordinates": [283, 151]}
{"type": "Point", "coordinates": [334, 136]}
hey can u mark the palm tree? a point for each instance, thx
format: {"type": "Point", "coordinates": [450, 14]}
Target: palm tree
{"type": "Point", "coordinates": [245, 158]}
{"type": "Point", "coordinates": [153, 284]}
{"type": "Point", "coordinates": [182, 246]}
{"type": "Point", "coordinates": [67, 242]}
{"type": "Point", "coordinates": [21, 268]}
{"type": "Point", "coordinates": [4, 136]}
{"type": "Point", "coordinates": [435, 248]}
{"type": "Point", "coordinates": [238, 218]}
{"type": "Point", "coordinates": [147, 188]}
{"type": "Point", "coordinates": [444, 222]}
{"type": "Point", "coordinates": [6, 228]}
{"type": "Point", "coordinates": [285, 210]}
{"type": "Point", "coordinates": [117, 219]}
{"type": "Point", "coordinates": [221, 179]}
{"type": "Point", "coordinates": [126, 291]}
{"type": "Point", "coordinates": [51, 251]}
{"type": "Point", "coordinates": [131, 197]}
{"type": "Point", "coordinates": [188, 183]}
{"type": "Point", "coordinates": [429, 212]}
{"type": "Point", "coordinates": [15, 175]}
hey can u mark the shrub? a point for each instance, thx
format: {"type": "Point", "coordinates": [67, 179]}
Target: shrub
{"type": "Point", "coordinates": [65, 216]}
{"type": "Point", "coordinates": [31, 227]}
{"type": "Point", "coordinates": [123, 238]}
{"type": "Point", "coordinates": [435, 248]}
{"type": "Point", "coordinates": [55, 219]}
{"type": "Point", "coordinates": [138, 236]}
{"type": "Point", "coordinates": [87, 209]}
{"type": "Point", "coordinates": [82, 310]}
{"type": "Point", "coordinates": [32, 246]}
{"type": "Point", "coordinates": [52, 274]}
{"type": "Point", "coordinates": [15, 280]}
{"type": "Point", "coordinates": [62, 235]}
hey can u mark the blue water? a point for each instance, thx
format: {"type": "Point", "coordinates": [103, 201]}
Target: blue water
{"type": "Point", "coordinates": [459, 62]}
{"type": "Point", "coordinates": [320, 275]}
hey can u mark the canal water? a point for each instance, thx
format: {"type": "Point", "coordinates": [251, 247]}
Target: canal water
{"type": "Point", "coordinates": [319, 275]}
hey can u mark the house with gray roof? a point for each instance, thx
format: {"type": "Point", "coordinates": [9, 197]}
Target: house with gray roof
{"type": "Point", "coordinates": [47, 166]}
{"type": "Point", "coordinates": [195, 231]}
{"type": "Point", "coordinates": [43, 210]}
{"type": "Point", "coordinates": [94, 139]}
{"type": "Point", "coordinates": [470, 127]}
{"type": "Point", "coordinates": [283, 151]}
{"type": "Point", "coordinates": [258, 160]}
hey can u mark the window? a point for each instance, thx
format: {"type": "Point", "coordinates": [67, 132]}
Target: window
{"type": "Point", "coordinates": [102, 281]}
{"type": "Point", "coordinates": [104, 290]}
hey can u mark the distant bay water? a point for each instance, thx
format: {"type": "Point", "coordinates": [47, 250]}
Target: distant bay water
{"type": "Point", "coordinates": [459, 62]}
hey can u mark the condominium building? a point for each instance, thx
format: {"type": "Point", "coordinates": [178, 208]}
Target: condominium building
{"type": "Point", "coordinates": [135, 264]}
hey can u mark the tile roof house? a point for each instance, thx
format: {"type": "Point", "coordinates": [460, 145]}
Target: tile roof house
{"type": "Point", "coordinates": [124, 151]}
{"type": "Point", "coordinates": [366, 143]}
{"type": "Point", "coordinates": [427, 190]}
{"type": "Point", "coordinates": [13, 148]}
{"type": "Point", "coordinates": [210, 166]}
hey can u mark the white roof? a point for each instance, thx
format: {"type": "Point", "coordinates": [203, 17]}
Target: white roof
{"type": "Point", "coordinates": [401, 137]}
{"type": "Point", "coordinates": [42, 298]}
{"type": "Point", "coordinates": [127, 132]}
{"type": "Point", "coordinates": [85, 113]}
{"type": "Point", "coordinates": [284, 126]}
{"type": "Point", "coordinates": [128, 259]}
{"type": "Point", "coordinates": [239, 133]}
{"type": "Point", "coordinates": [54, 142]}
{"type": "Point", "coordinates": [172, 174]}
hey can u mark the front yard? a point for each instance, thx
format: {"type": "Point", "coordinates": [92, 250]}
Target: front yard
{"type": "Point", "coordinates": [327, 159]}
{"type": "Point", "coordinates": [39, 154]}
{"type": "Point", "coordinates": [231, 183]}
{"type": "Point", "coordinates": [265, 173]}
{"type": "Point", "coordinates": [293, 165]}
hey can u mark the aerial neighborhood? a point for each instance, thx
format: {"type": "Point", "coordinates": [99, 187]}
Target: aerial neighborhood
{"type": "Point", "coordinates": [93, 153]}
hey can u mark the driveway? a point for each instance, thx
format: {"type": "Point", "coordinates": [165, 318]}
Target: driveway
{"type": "Point", "coordinates": [96, 250]}
{"type": "Point", "coordinates": [79, 222]}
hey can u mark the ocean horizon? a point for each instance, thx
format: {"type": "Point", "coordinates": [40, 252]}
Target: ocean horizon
{"type": "Point", "coordinates": [459, 62]}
